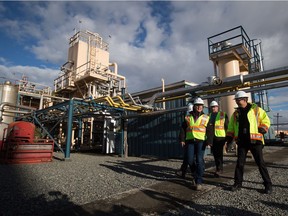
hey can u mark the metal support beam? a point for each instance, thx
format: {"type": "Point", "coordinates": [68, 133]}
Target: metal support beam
{"type": "Point", "coordinates": [69, 129]}
{"type": "Point", "coordinates": [79, 140]}
{"type": "Point", "coordinates": [46, 132]}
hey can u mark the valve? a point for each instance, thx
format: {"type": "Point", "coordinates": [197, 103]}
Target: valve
{"type": "Point", "coordinates": [213, 80]}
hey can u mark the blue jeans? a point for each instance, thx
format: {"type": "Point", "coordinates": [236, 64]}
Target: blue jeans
{"type": "Point", "coordinates": [197, 148]}
{"type": "Point", "coordinates": [185, 164]}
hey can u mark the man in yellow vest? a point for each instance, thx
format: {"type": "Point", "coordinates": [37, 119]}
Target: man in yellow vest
{"type": "Point", "coordinates": [216, 136]}
{"type": "Point", "coordinates": [247, 126]}
{"type": "Point", "coordinates": [193, 135]}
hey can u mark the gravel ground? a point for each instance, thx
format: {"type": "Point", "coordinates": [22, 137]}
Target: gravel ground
{"type": "Point", "coordinates": [249, 201]}
{"type": "Point", "coordinates": [40, 189]}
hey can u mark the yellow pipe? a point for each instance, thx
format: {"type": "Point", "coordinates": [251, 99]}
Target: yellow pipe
{"type": "Point", "coordinates": [107, 99]}
{"type": "Point", "coordinates": [172, 98]}
{"type": "Point", "coordinates": [114, 104]}
{"type": "Point", "coordinates": [122, 101]}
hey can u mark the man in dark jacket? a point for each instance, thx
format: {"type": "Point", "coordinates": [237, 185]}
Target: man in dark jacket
{"type": "Point", "coordinates": [247, 126]}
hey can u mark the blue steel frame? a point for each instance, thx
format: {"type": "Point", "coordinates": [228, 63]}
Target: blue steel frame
{"type": "Point", "coordinates": [72, 110]}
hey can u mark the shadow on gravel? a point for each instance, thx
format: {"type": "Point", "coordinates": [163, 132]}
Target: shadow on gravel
{"type": "Point", "coordinates": [142, 169]}
{"type": "Point", "coordinates": [276, 205]}
{"type": "Point", "coordinates": [197, 210]}
{"type": "Point", "coordinates": [148, 198]}
{"type": "Point", "coordinates": [17, 185]}
{"type": "Point", "coordinates": [19, 194]}
{"type": "Point", "coordinates": [272, 165]}
{"type": "Point", "coordinates": [86, 211]}
{"type": "Point", "coordinates": [16, 197]}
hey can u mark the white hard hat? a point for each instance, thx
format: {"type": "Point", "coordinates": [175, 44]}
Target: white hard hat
{"type": "Point", "coordinates": [240, 94]}
{"type": "Point", "coordinates": [190, 107]}
{"type": "Point", "coordinates": [198, 101]}
{"type": "Point", "coordinates": [213, 103]}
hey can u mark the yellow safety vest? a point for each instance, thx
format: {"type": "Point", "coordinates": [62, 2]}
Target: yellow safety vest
{"type": "Point", "coordinates": [257, 118]}
{"type": "Point", "coordinates": [196, 130]}
{"type": "Point", "coordinates": [219, 125]}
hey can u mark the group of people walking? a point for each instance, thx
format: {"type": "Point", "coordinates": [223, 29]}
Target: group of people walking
{"type": "Point", "coordinates": [246, 127]}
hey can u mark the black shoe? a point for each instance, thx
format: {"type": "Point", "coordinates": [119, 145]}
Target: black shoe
{"type": "Point", "coordinates": [218, 173]}
{"type": "Point", "coordinates": [236, 187]}
{"type": "Point", "coordinates": [268, 190]}
{"type": "Point", "coordinates": [181, 174]}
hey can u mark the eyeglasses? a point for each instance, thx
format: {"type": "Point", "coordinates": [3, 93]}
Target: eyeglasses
{"type": "Point", "coordinates": [239, 99]}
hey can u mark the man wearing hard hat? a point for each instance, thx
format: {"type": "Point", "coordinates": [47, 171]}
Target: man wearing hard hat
{"type": "Point", "coordinates": [193, 135]}
{"type": "Point", "coordinates": [216, 136]}
{"type": "Point", "coordinates": [247, 126]}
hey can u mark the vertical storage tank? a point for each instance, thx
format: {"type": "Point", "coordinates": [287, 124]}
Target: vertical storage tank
{"type": "Point", "coordinates": [8, 94]}
{"type": "Point", "coordinates": [228, 67]}
{"type": "Point", "coordinates": [231, 53]}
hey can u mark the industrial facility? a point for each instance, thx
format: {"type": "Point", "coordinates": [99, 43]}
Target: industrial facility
{"type": "Point", "coordinates": [90, 110]}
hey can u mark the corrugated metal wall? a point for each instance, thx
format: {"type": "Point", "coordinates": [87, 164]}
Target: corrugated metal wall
{"type": "Point", "coordinates": [156, 135]}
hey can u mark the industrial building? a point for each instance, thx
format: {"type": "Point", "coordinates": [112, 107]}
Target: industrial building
{"type": "Point", "coordinates": [89, 108]}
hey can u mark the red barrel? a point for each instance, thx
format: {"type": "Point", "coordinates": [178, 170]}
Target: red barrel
{"type": "Point", "coordinates": [21, 130]}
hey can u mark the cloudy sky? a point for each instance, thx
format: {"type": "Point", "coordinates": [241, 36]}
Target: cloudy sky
{"type": "Point", "coordinates": [149, 40]}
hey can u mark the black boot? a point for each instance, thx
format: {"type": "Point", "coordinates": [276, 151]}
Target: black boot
{"type": "Point", "coordinates": [268, 189]}
{"type": "Point", "coordinates": [181, 174]}
{"type": "Point", "coordinates": [236, 187]}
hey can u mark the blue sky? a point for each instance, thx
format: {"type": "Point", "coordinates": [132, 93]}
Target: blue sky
{"type": "Point", "coordinates": [149, 40]}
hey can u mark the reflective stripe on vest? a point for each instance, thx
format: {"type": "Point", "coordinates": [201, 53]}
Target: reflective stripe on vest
{"type": "Point", "coordinates": [219, 125]}
{"type": "Point", "coordinates": [196, 130]}
{"type": "Point", "coordinates": [254, 124]}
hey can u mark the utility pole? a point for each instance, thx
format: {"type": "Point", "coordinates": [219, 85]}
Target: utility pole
{"type": "Point", "coordinates": [277, 116]}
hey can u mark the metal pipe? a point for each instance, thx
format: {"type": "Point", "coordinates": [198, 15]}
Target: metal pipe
{"type": "Point", "coordinates": [266, 74]}
{"type": "Point", "coordinates": [209, 96]}
{"type": "Point", "coordinates": [44, 95]}
{"type": "Point", "coordinates": [266, 87]}
{"type": "Point", "coordinates": [116, 73]}
{"type": "Point", "coordinates": [15, 111]}
{"type": "Point", "coordinates": [236, 81]}
{"type": "Point", "coordinates": [41, 102]}
{"type": "Point", "coordinates": [119, 76]}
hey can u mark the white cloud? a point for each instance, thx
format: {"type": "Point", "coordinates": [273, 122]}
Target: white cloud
{"type": "Point", "coordinates": [44, 29]}
{"type": "Point", "coordinates": [2, 60]}
{"type": "Point", "coordinates": [278, 98]}
{"type": "Point", "coordinates": [44, 76]}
